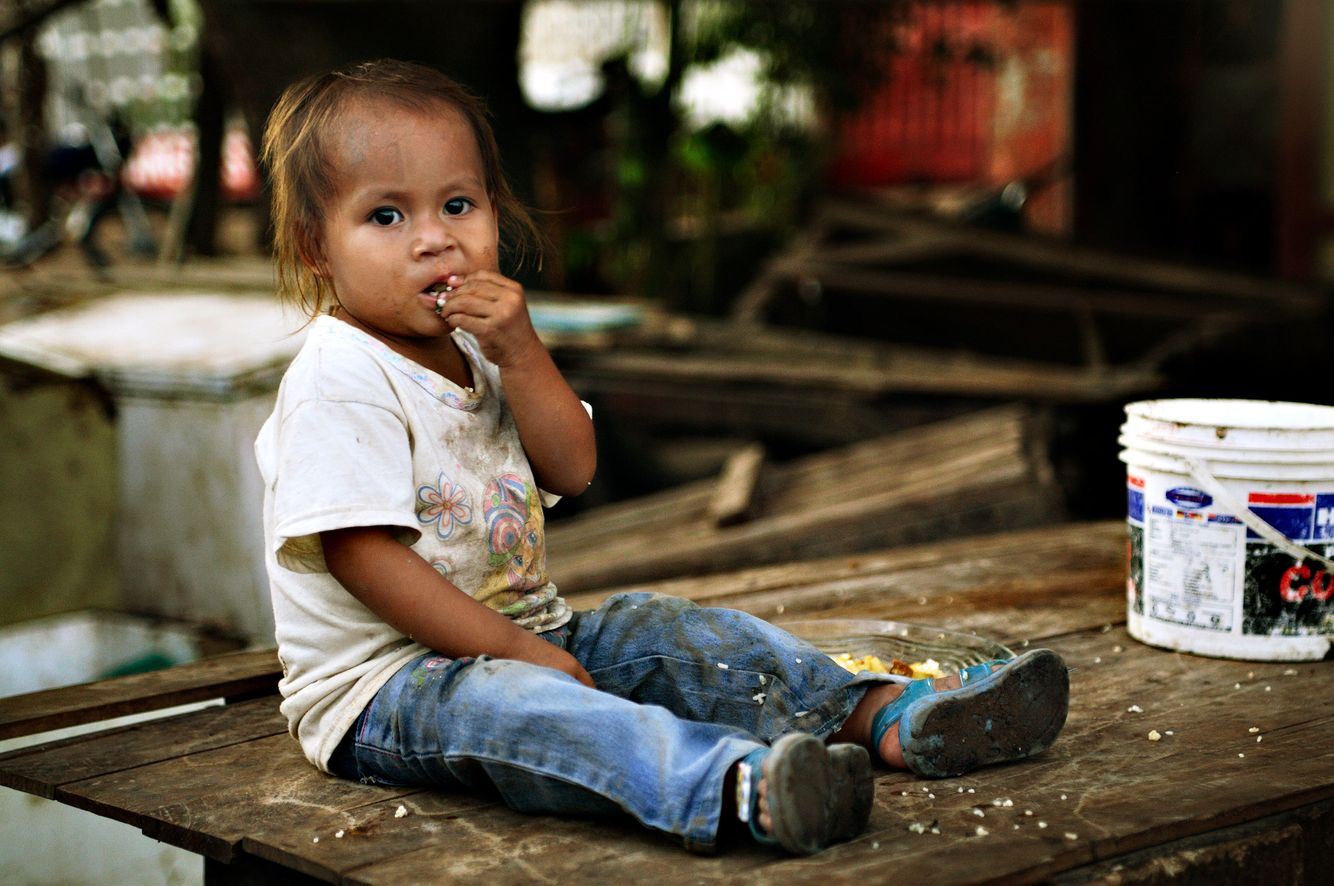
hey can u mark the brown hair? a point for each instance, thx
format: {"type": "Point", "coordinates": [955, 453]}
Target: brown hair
{"type": "Point", "coordinates": [296, 150]}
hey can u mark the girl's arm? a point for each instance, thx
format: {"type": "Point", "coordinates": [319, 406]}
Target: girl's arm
{"type": "Point", "coordinates": [556, 432]}
{"type": "Point", "coordinates": [391, 580]}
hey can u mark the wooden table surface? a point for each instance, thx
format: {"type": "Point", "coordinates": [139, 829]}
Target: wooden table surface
{"type": "Point", "coordinates": [1240, 787]}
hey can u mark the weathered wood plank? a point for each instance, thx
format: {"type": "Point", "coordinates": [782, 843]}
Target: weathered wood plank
{"type": "Point", "coordinates": [1180, 280]}
{"type": "Point", "coordinates": [947, 374]}
{"type": "Point", "coordinates": [734, 495]}
{"type": "Point", "coordinates": [1111, 312]}
{"type": "Point", "coordinates": [1005, 432]}
{"type": "Point", "coordinates": [207, 802]}
{"type": "Point", "coordinates": [971, 474]}
{"type": "Point", "coordinates": [790, 484]}
{"type": "Point", "coordinates": [230, 784]}
{"type": "Point", "coordinates": [1103, 782]}
{"type": "Point", "coordinates": [1108, 785]}
{"type": "Point", "coordinates": [435, 834]}
{"type": "Point", "coordinates": [1012, 586]}
{"type": "Point", "coordinates": [232, 675]}
{"type": "Point", "coordinates": [1291, 847]}
{"type": "Point", "coordinates": [42, 769]}
{"type": "Point", "coordinates": [947, 290]}
{"type": "Point", "coordinates": [497, 845]}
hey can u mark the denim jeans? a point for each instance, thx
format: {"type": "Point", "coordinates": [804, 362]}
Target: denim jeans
{"type": "Point", "coordinates": [683, 693]}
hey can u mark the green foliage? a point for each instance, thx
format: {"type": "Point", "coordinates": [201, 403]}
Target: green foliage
{"type": "Point", "coordinates": [838, 48]}
{"type": "Point", "coordinates": [694, 209]}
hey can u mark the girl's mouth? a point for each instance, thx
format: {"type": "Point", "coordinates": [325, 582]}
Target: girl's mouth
{"type": "Point", "coordinates": [439, 291]}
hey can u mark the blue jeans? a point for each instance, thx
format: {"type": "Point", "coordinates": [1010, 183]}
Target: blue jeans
{"type": "Point", "coordinates": [683, 693]}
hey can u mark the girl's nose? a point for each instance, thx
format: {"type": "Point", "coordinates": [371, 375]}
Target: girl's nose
{"type": "Point", "coordinates": [433, 236]}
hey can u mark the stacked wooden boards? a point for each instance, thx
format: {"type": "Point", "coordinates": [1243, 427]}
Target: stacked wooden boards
{"type": "Point", "coordinates": [698, 375]}
{"type": "Point", "coordinates": [980, 472]}
{"type": "Point", "coordinates": [873, 269]}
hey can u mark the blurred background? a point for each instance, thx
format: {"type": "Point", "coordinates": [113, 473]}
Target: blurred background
{"type": "Point", "coordinates": [896, 264]}
{"type": "Point", "coordinates": [798, 226]}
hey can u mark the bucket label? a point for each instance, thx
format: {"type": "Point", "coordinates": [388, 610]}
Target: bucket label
{"type": "Point", "coordinates": [1299, 517]}
{"type": "Point", "coordinates": [1282, 595]}
{"type": "Point", "coordinates": [1190, 567]}
{"type": "Point", "coordinates": [1204, 570]}
{"type": "Point", "coordinates": [1186, 497]}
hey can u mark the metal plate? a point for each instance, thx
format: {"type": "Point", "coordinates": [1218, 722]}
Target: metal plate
{"type": "Point", "coordinates": [894, 639]}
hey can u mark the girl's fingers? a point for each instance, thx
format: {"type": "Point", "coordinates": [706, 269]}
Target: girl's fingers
{"type": "Point", "coordinates": [487, 295]}
{"type": "Point", "coordinates": [492, 308]}
{"type": "Point", "coordinates": [486, 284]}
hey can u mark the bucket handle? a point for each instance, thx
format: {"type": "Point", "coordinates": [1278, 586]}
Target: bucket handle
{"type": "Point", "coordinates": [1200, 471]}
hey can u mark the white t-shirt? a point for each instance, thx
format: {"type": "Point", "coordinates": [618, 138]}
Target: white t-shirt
{"type": "Point", "coordinates": [362, 436]}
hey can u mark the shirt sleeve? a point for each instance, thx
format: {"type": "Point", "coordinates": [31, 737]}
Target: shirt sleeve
{"type": "Point", "coordinates": [341, 464]}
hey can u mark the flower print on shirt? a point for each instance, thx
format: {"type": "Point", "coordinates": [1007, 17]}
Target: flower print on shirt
{"type": "Point", "coordinates": [513, 516]}
{"type": "Point", "coordinates": [446, 504]}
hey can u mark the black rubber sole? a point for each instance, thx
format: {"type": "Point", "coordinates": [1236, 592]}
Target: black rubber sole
{"type": "Point", "coordinates": [853, 792]}
{"type": "Point", "coordinates": [1015, 713]}
{"type": "Point", "coordinates": [800, 780]}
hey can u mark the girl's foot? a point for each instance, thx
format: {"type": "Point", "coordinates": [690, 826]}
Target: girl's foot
{"type": "Point", "coordinates": [801, 795]}
{"type": "Point", "coordinates": [990, 713]}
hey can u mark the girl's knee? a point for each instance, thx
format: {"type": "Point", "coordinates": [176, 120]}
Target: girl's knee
{"type": "Point", "coordinates": [647, 604]}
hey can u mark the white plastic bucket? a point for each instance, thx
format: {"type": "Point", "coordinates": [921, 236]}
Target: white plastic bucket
{"type": "Point", "coordinates": [1230, 513]}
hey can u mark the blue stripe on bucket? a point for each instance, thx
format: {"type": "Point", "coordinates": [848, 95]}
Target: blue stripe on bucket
{"type": "Point", "coordinates": [1296, 523]}
{"type": "Point", "coordinates": [1135, 505]}
{"type": "Point", "coordinates": [1324, 516]}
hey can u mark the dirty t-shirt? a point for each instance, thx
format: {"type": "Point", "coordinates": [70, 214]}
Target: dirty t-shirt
{"type": "Point", "coordinates": [361, 436]}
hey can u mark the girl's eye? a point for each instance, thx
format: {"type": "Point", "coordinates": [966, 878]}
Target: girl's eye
{"type": "Point", "coordinates": [385, 215]}
{"type": "Point", "coordinates": [457, 206]}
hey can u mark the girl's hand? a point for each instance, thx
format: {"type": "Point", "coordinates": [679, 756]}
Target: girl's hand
{"type": "Point", "coordinates": [395, 583]}
{"type": "Point", "coordinates": [493, 309]}
{"type": "Point", "coordinates": [555, 657]}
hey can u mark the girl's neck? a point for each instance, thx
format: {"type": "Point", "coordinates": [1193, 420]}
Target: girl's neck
{"type": "Point", "coordinates": [440, 355]}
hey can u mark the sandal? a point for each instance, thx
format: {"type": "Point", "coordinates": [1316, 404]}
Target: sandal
{"type": "Point", "coordinates": [994, 717]}
{"type": "Point", "coordinates": [808, 810]}
{"type": "Point", "coordinates": [800, 785]}
{"type": "Point", "coordinates": [853, 792]}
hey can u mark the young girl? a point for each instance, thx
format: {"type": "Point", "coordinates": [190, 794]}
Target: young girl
{"type": "Point", "coordinates": [417, 437]}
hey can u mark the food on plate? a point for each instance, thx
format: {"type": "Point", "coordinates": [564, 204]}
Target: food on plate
{"type": "Point", "coordinates": [918, 670]}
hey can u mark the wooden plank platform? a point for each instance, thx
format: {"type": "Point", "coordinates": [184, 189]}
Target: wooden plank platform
{"type": "Point", "coordinates": [1208, 802]}
{"type": "Point", "coordinates": [235, 675]}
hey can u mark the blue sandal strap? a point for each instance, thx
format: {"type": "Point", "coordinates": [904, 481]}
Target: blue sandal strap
{"type": "Point", "coordinates": [980, 717]}
{"type": "Point", "coordinates": [890, 714]}
{"type": "Point", "coordinates": [749, 773]}
{"type": "Point", "coordinates": [973, 673]}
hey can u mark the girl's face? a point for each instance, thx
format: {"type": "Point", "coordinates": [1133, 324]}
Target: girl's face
{"type": "Point", "coordinates": [411, 208]}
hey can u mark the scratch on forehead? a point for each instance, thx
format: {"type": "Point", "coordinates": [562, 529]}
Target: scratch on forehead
{"type": "Point", "coordinates": [359, 135]}
{"type": "Point", "coordinates": [354, 143]}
